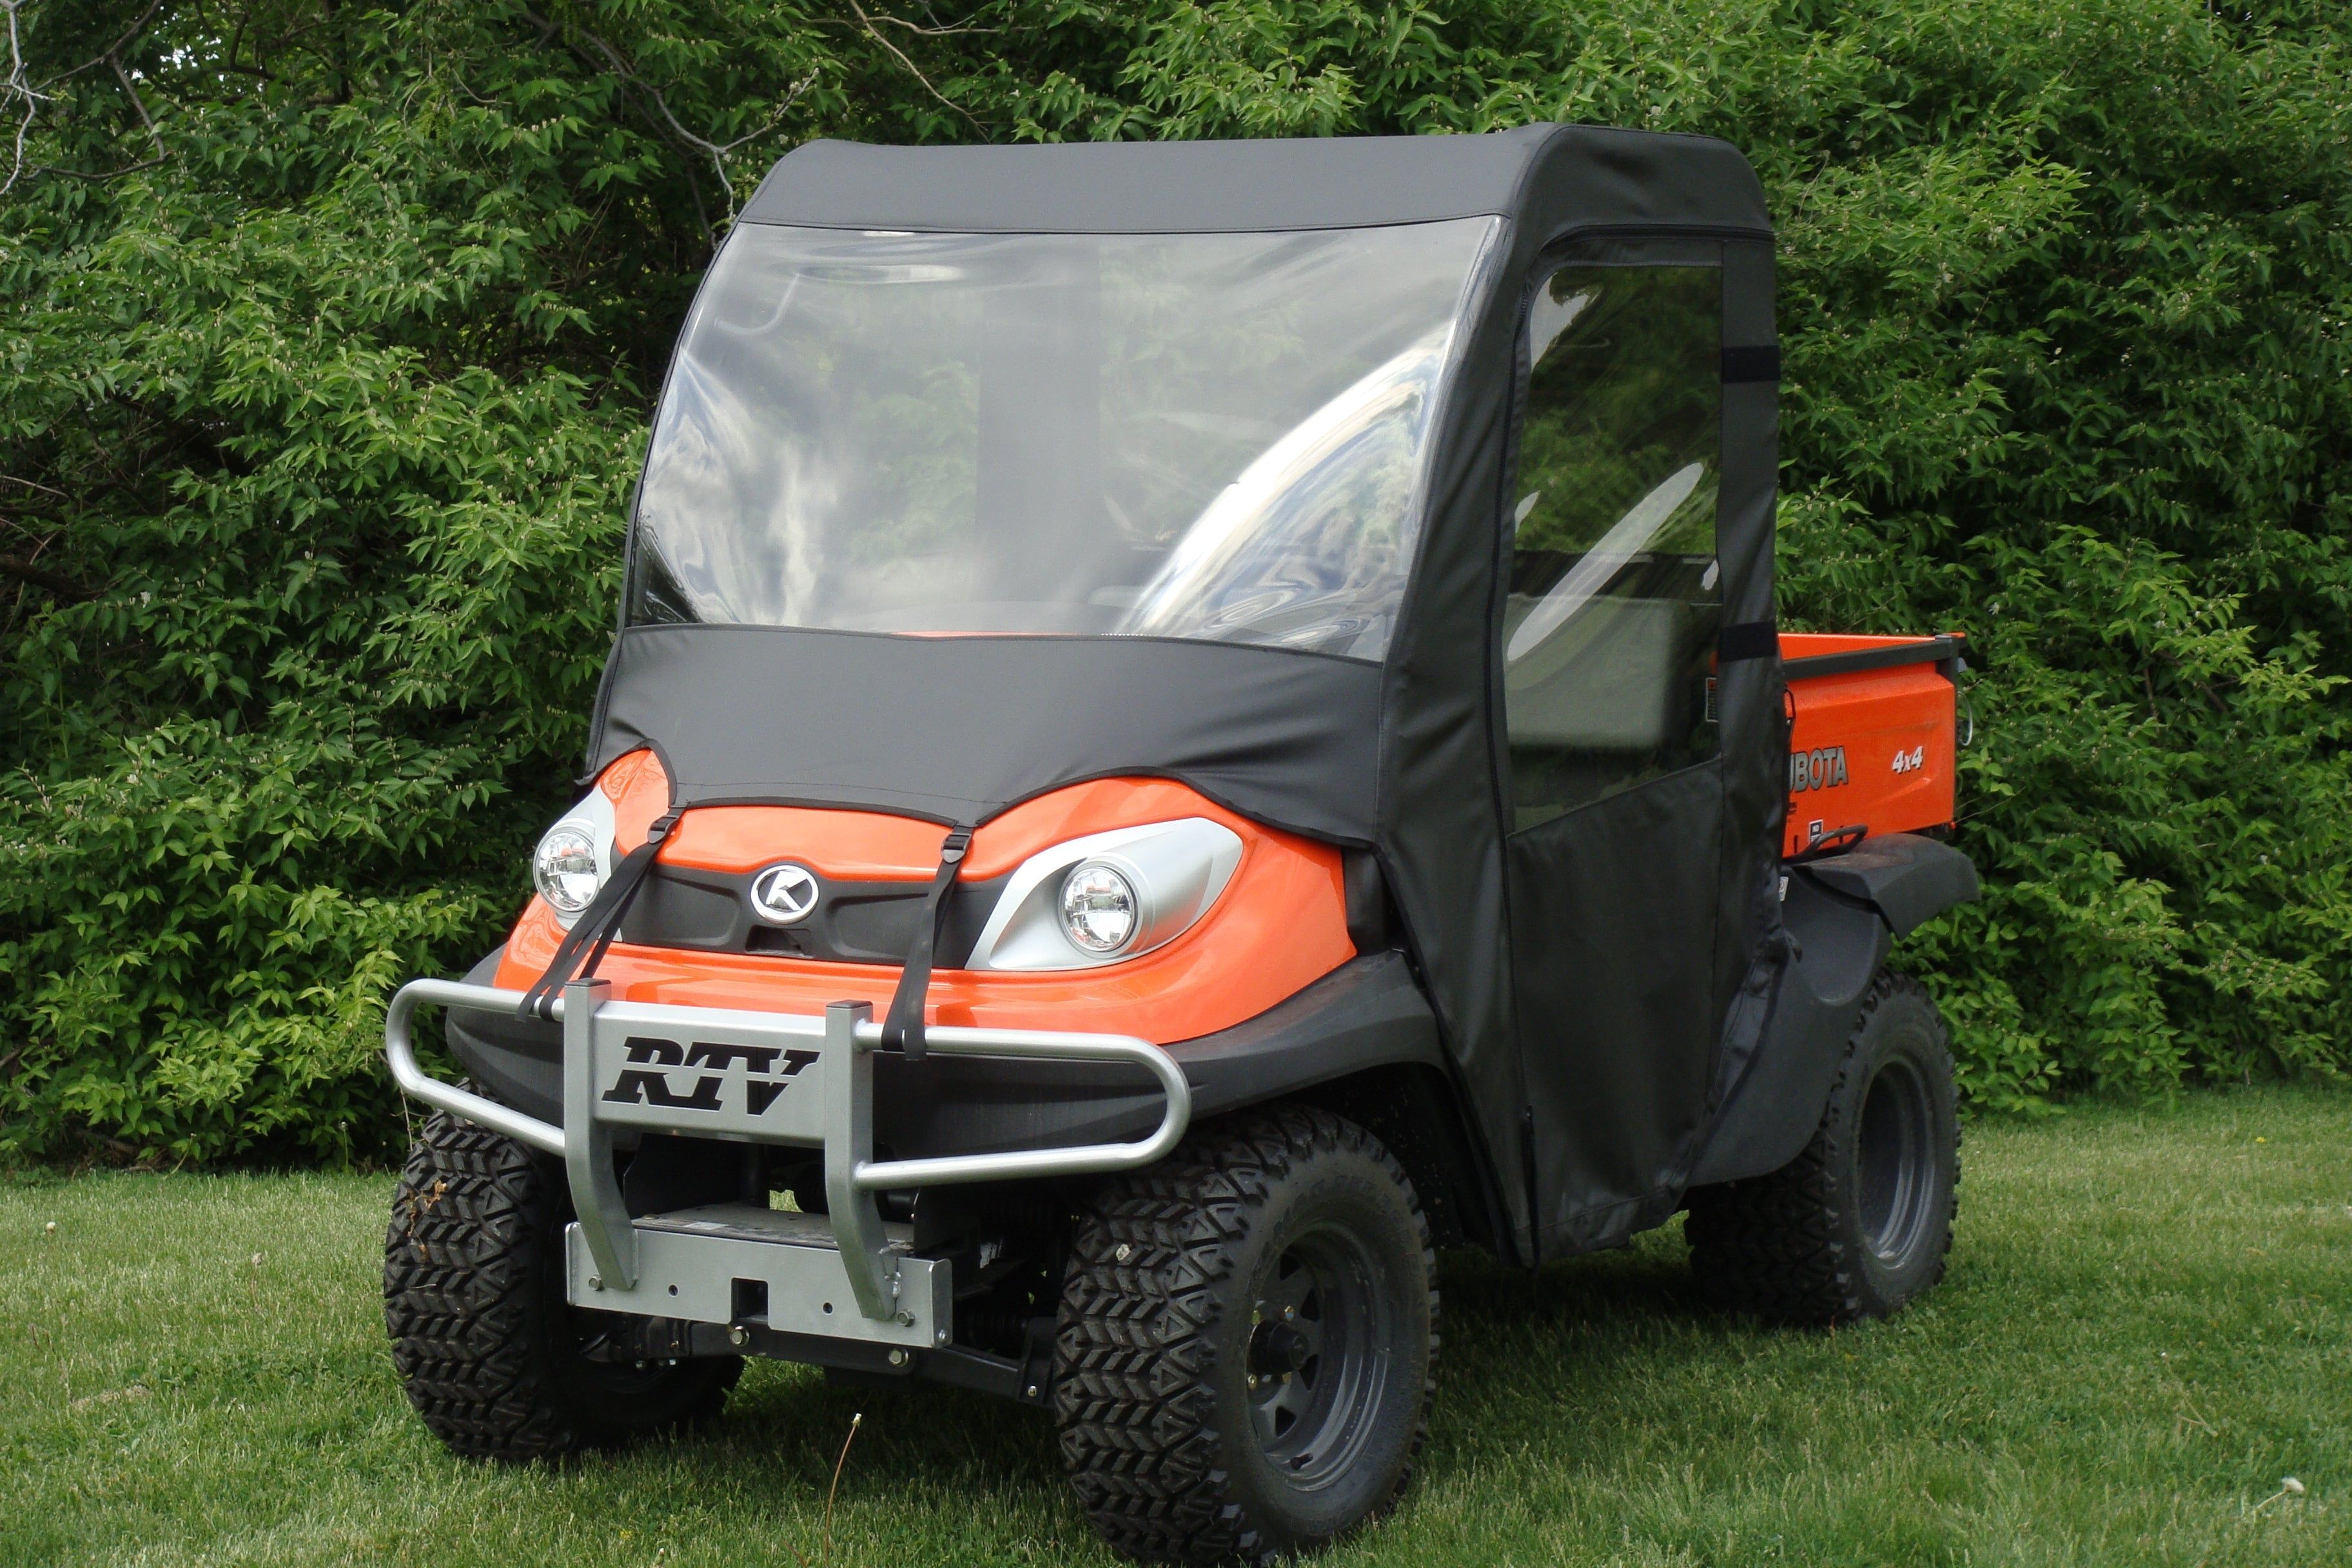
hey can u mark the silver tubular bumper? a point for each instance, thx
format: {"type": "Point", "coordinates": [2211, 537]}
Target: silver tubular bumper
{"type": "Point", "coordinates": [448, 1097]}
{"type": "Point", "coordinates": [761, 1078]}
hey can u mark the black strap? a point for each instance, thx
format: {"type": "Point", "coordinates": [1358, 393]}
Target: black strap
{"type": "Point", "coordinates": [903, 1029]}
{"type": "Point", "coordinates": [1745, 366]}
{"type": "Point", "coordinates": [1746, 639]}
{"type": "Point", "coordinates": [597, 925]}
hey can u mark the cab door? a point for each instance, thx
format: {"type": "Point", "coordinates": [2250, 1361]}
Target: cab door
{"type": "Point", "coordinates": [1607, 641]}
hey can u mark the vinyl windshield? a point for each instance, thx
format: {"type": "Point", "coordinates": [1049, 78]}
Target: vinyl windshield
{"type": "Point", "coordinates": [1217, 436]}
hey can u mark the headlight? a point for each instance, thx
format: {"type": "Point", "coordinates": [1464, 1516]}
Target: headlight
{"type": "Point", "coordinates": [575, 855]}
{"type": "Point", "coordinates": [1098, 908]}
{"type": "Point", "coordinates": [1108, 897]}
{"type": "Point", "coordinates": [568, 868]}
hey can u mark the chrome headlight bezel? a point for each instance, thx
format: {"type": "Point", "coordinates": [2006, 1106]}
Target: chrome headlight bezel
{"type": "Point", "coordinates": [1175, 871]}
{"type": "Point", "coordinates": [592, 819]}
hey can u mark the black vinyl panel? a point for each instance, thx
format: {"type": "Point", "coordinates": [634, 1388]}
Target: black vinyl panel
{"type": "Point", "coordinates": [1613, 916]}
{"type": "Point", "coordinates": [957, 729]}
{"type": "Point", "coordinates": [1335, 181]}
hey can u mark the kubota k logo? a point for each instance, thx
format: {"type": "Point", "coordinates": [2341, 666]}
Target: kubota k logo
{"type": "Point", "coordinates": [768, 1072]}
{"type": "Point", "coordinates": [784, 893]}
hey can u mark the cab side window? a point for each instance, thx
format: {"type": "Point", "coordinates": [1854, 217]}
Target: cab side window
{"type": "Point", "coordinates": [1615, 599]}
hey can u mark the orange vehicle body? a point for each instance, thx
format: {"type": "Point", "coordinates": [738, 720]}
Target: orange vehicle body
{"type": "Point", "coordinates": [1279, 925]}
{"type": "Point", "coordinates": [1873, 749]}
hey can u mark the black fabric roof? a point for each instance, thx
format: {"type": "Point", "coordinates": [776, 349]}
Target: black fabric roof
{"type": "Point", "coordinates": [1607, 177]}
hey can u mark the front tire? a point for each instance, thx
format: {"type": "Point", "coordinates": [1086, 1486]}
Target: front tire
{"type": "Point", "coordinates": [1858, 1224]}
{"type": "Point", "coordinates": [491, 1354]}
{"type": "Point", "coordinates": [1246, 1343]}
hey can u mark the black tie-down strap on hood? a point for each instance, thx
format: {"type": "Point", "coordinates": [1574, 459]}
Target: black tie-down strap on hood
{"type": "Point", "coordinates": [598, 923]}
{"type": "Point", "coordinates": [903, 1029]}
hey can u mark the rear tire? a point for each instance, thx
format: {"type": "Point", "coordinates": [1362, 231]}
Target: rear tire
{"type": "Point", "coordinates": [1858, 1224]}
{"type": "Point", "coordinates": [490, 1351]}
{"type": "Point", "coordinates": [1246, 1343]}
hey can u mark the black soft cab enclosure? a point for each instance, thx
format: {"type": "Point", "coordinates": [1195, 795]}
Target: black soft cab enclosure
{"type": "Point", "coordinates": [1190, 720]}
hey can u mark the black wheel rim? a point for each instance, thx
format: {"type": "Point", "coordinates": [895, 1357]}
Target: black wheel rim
{"type": "Point", "coordinates": [1315, 1371]}
{"type": "Point", "coordinates": [1895, 1166]}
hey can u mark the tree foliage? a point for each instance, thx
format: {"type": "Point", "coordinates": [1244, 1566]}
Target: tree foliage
{"type": "Point", "coordinates": [330, 335]}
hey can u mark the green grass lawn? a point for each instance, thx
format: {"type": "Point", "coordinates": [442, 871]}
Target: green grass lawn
{"type": "Point", "coordinates": [2147, 1326]}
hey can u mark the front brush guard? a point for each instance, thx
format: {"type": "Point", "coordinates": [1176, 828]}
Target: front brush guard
{"type": "Point", "coordinates": [747, 1077]}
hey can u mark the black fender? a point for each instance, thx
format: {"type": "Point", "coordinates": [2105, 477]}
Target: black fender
{"type": "Point", "coordinates": [519, 1062]}
{"type": "Point", "coordinates": [1368, 1013]}
{"type": "Point", "coordinates": [1909, 879]}
{"type": "Point", "coordinates": [1840, 914]}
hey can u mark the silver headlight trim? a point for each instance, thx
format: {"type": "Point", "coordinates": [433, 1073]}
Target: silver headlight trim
{"type": "Point", "coordinates": [1177, 870]}
{"type": "Point", "coordinates": [593, 815]}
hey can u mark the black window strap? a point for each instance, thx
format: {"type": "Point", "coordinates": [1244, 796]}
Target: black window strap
{"type": "Point", "coordinates": [1745, 366]}
{"type": "Point", "coordinates": [902, 1030]}
{"type": "Point", "coordinates": [598, 923]}
{"type": "Point", "coordinates": [1746, 639]}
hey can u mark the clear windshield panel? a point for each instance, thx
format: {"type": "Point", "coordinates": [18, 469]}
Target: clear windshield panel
{"type": "Point", "coordinates": [1217, 436]}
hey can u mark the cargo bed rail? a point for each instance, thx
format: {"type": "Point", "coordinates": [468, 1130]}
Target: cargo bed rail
{"type": "Point", "coordinates": [1924, 650]}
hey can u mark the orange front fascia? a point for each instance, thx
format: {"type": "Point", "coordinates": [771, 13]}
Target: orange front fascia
{"type": "Point", "coordinates": [1279, 925]}
{"type": "Point", "coordinates": [1874, 748]}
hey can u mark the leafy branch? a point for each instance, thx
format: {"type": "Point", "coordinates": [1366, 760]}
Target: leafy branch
{"type": "Point", "coordinates": [621, 67]}
{"type": "Point", "coordinates": [900, 56]}
{"type": "Point", "coordinates": [19, 94]}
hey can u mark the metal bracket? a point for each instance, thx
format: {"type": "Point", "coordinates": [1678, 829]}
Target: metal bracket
{"type": "Point", "coordinates": [857, 1214]}
{"type": "Point", "coordinates": [588, 1143]}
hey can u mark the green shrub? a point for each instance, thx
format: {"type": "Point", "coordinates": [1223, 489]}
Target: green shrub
{"type": "Point", "coordinates": [330, 334]}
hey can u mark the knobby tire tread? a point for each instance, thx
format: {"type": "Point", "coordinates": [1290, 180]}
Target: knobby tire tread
{"type": "Point", "coordinates": [1134, 1397]}
{"type": "Point", "coordinates": [1770, 1245]}
{"type": "Point", "coordinates": [467, 1305]}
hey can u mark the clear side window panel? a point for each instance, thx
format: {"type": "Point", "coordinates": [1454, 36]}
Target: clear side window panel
{"type": "Point", "coordinates": [1610, 629]}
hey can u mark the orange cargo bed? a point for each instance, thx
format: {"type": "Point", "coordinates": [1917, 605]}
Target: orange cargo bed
{"type": "Point", "coordinates": [1873, 735]}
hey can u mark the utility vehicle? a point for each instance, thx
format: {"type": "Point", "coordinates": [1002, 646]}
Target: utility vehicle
{"type": "Point", "coordinates": [1192, 723]}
